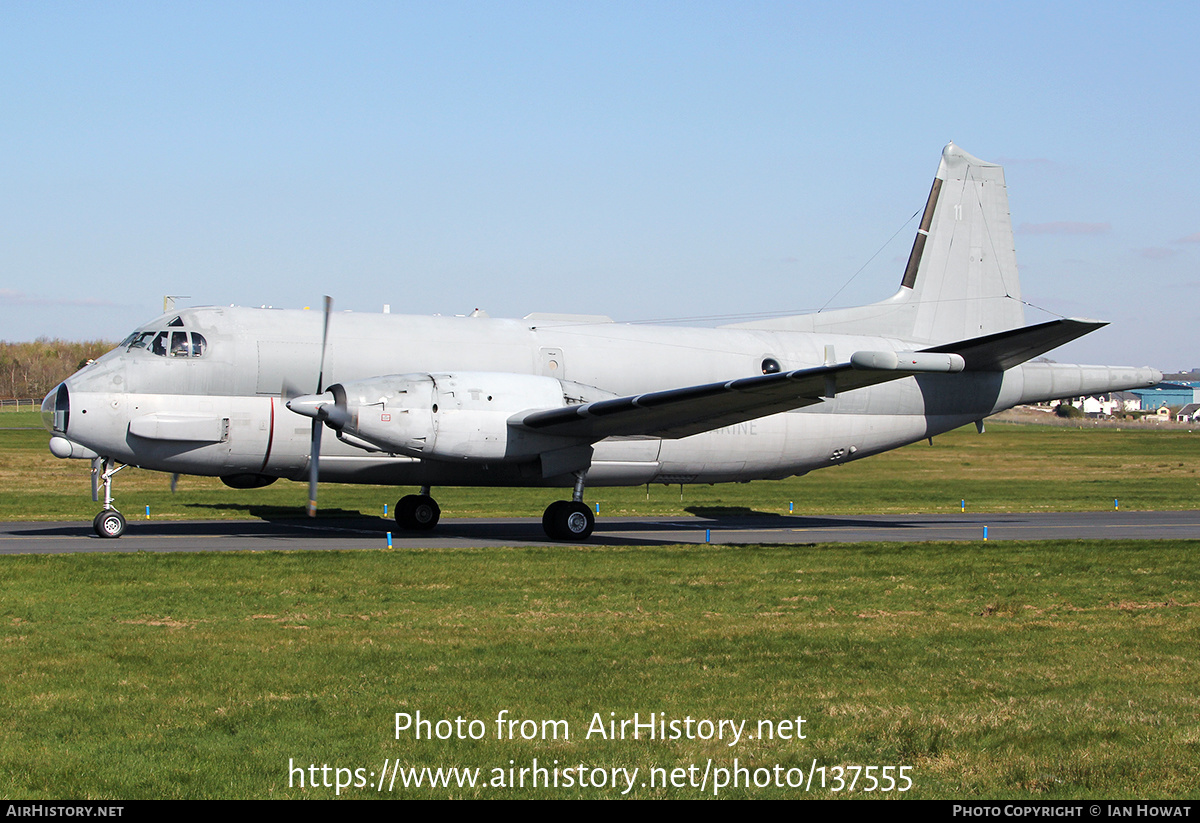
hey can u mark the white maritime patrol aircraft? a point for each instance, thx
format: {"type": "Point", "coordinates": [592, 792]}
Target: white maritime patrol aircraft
{"type": "Point", "coordinates": [576, 401]}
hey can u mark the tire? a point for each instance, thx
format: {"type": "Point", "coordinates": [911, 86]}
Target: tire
{"type": "Point", "coordinates": [551, 520]}
{"type": "Point", "coordinates": [109, 524]}
{"type": "Point", "coordinates": [568, 521]}
{"type": "Point", "coordinates": [417, 512]}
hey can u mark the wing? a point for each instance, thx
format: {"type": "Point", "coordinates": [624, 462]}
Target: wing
{"type": "Point", "coordinates": [694, 409]}
{"type": "Point", "coordinates": [690, 410]}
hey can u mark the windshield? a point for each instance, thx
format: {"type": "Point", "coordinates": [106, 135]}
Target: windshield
{"type": "Point", "coordinates": [173, 343]}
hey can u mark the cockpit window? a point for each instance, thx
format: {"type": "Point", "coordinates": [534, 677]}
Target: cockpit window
{"type": "Point", "coordinates": [141, 340]}
{"type": "Point", "coordinates": [178, 321]}
{"type": "Point", "coordinates": [168, 343]}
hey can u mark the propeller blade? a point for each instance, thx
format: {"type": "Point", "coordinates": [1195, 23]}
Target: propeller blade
{"type": "Point", "coordinates": [174, 481]}
{"type": "Point", "coordinates": [313, 467]}
{"type": "Point", "coordinates": [315, 457]}
{"type": "Point", "coordinates": [324, 340]}
{"type": "Point", "coordinates": [289, 390]}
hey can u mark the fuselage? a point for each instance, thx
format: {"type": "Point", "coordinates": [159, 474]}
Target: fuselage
{"type": "Point", "coordinates": [201, 392]}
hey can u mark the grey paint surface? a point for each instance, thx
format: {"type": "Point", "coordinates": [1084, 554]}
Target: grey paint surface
{"type": "Point", "coordinates": [467, 401]}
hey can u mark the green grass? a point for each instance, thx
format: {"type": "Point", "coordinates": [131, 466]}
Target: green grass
{"type": "Point", "coordinates": [1010, 468]}
{"type": "Point", "coordinates": [1031, 670]}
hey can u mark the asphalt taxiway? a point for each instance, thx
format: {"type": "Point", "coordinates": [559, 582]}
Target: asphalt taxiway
{"type": "Point", "coordinates": [372, 532]}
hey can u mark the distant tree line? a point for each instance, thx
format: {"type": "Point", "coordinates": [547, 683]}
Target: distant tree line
{"type": "Point", "coordinates": [31, 370]}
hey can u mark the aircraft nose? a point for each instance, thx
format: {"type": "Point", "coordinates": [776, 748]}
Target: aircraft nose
{"type": "Point", "coordinates": [56, 409]}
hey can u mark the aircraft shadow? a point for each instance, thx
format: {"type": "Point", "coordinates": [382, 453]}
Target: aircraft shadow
{"type": "Point", "coordinates": [741, 517]}
{"type": "Point", "coordinates": [335, 524]}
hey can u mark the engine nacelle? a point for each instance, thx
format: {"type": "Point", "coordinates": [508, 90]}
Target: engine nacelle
{"type": "Point", "coordinates": [459, 416]}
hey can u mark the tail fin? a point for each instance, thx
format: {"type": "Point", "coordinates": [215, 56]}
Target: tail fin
{"type": "Point", "coordinates": [962, 271]}
{"type": "Point", "coordinates": [961, 279]}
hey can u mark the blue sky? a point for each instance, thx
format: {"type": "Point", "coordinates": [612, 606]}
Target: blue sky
{"type": "Point", "coordinates": [641, 160]}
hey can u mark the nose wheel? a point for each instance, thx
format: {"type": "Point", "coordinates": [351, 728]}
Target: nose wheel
{"type": "Point", "coordinates": [109, 523]}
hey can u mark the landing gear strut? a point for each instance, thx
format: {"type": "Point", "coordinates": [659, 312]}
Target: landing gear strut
{"type": "Point", "coordinates": [570, 520]}
{"type": "Point", "coordinates": [109, 523]}
{"type": "Point", "coordinates": [418, 512]}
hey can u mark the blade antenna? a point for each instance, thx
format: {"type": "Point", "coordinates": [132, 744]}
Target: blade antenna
{"type": "Point", "coordinates": [315, 455]}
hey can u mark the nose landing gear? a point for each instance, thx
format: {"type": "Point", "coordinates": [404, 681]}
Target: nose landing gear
{"type": "Point", "coordinates": [109, 523]}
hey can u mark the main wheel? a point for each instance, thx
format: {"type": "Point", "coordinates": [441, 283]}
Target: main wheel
{"type": "Point", "coordinates": [418, 512]}
{"type": "Point", "coordinates": [568, 520]}
{"type": "Point", "coordinates": [552, 519]}
{"type": "Point", "coordinates": [109, 524]}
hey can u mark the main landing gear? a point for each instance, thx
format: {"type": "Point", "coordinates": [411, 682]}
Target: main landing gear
{"type": "Point", "coordinates": [418, 512]}
{"type": "Point", "coordinates": [109, 523]}
{"type": "Point", "coordinates": [570, 520]}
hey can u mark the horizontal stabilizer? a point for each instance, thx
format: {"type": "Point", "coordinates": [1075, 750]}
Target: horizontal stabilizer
{"type": "Point", "coordinates": [1003, 350]}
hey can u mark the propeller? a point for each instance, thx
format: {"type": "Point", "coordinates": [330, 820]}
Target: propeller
{"type": "Point", "coordinates": [325, 407]}
{"type": "Point", "coordinates": [316, 424]}
{"type": "Point", "coordinates": [314, 406]}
